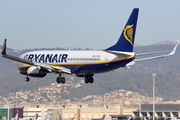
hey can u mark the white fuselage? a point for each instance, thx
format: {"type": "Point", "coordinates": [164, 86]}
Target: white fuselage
{"type": "Point", "coordinates": [79, 62]}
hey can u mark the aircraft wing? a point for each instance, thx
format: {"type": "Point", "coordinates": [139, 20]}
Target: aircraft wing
{"type": "Point", "coordinates": [46, 66]}
{"type": "Point", "coordinates": [52, 68]}
{"type": "Point", "coordinates": [156, 57]}
{"type": "Point", "coordinates": [150, 58]}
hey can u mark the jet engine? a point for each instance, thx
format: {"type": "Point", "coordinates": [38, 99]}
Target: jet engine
{"type": "Point", "coordinates": [36, 72]}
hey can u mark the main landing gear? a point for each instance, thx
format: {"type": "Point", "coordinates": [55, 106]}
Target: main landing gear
{"type": "Point", "coordinates": [89, 79]}
{"type": "Point", "coordinates": [61, 79]}
{"type": "Point", "coordinates": [58, 80]}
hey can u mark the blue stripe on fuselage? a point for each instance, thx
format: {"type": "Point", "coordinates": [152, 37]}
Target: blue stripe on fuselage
{"type": "Point", "coordinates": [101, 68]}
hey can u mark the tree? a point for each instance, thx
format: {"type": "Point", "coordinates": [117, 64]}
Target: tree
{"type": "Point", "coordinates": [1, 116]}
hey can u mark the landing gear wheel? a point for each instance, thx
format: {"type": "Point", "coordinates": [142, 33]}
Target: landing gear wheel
{"type": "Point", "coordinates": [27, 79]}
{"type": "Point", "coordinates": [58, 80]}
{"type": "Point", "coordinates": [91, 79]}
{"type": "Point", "coordinates": [63, 80]}
{"type": "Point", "coordinates": [86, 80]}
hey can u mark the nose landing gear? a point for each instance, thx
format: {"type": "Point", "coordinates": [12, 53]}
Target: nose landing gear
{"type": "Point", "coordinates": [27, 79]}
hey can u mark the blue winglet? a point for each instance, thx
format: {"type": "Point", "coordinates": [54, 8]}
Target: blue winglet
{"type": "Point", "coordinates": [4, 48]}
{"type": "Point", "coordinates": [125, 42]}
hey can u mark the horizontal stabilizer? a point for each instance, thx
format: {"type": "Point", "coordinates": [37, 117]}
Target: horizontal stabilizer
{"type": "Point", "coordinates": [156, 57]}
{"type": "Point", "coordinates": [149, 58]}
{"type": "Point", "coordinates": [150, 53]}
{"type": "Point", "coordinates": [118, 53]}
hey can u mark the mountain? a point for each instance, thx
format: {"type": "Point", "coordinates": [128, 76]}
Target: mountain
{"type": "Point", "coordinates": [137, 79]}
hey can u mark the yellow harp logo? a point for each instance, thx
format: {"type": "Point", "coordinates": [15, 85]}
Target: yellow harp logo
{"type": "Point", "coordinates": [128, 33]}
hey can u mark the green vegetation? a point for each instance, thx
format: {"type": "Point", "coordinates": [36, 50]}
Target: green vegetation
{"type": "Point", "coordinates": [1, 116]}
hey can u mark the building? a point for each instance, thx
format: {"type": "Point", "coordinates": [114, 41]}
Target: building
{"type": "Point", "coordinates": [162, 111]}
{"type": "Point", "coordinates": [31, 110]}
{"type": "Point", "coordinates": [8, 113]}
{"type": "Point", "coordinates": [84, 112]}
{"type": "Point", "coordinates": [75, 112]}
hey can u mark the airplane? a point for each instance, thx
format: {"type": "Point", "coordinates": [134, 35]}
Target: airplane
{"type": "Point", "coordinates": [129, 118]}
{"type": "Point", "coordinates": [173, 117]}
{"type": "Point", "coordinates": [145, 118]}
{"type": "Point", "coordinates": [84, 63]}
{"type": "Point", "coordinates": [60, 118]}
{"type": "Point", "coordinates": [35, 117]}
{"type": "Point", "coordinates": [32, 118]}
{"type": "Point", "coordinates": [103, 118]}
{"type": "Point", "coordinates": [16, 117]}
{"type": "Point", "coordinates": [47, 117]}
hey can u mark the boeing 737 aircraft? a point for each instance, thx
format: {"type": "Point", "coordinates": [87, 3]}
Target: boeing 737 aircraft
{"type": "Point", "coordinates": [84, 63]}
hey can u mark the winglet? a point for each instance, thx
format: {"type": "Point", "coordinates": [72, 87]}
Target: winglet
{"type": "Point", "coordinates": [4, 48]}
{"type": "Point", "coordinates": [174, 50]}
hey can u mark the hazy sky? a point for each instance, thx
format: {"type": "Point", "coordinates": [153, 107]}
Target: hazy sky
{"type": "Point", "coordinates": [93, 24]}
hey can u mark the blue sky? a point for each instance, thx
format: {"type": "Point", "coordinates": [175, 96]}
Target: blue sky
{"type": "Point", "coordinates": [93, 24]}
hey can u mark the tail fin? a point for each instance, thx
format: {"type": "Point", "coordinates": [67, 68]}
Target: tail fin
{"type": "Point", "coordinates": [35, 117]}
{"type": "Point", "coordinates": [171, 115]}
{"type": "Point", "coordinates": [103, 117]}
{"type": "Point", "coordinates": [60, 118]}
{"type": "Point", "coordinates": [126, 40]}
{"type": "Point", "coordinates": [47, 117]}
{"type": "Point", "coordinates": [16, 117]}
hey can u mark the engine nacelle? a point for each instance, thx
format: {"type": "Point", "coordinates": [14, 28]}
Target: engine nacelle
{"type": "Point", "coordinates": [36, 72]}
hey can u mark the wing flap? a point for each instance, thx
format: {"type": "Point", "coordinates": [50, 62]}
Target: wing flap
{"type": "Point", "coordinates": [53, 68]}
{"type": "Point", "coordinates": [63, 69]}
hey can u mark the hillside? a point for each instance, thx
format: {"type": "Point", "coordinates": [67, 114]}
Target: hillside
{"type": "Point", "coordinates": [137, 79]}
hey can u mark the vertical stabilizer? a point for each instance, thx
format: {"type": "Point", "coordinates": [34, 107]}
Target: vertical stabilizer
{"type": "Point", "coordinates": [103, 117]}
{"type": "Point", "coordinates": [35, 117]}
{"type": "Point", "coordinates": [126, 39]}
